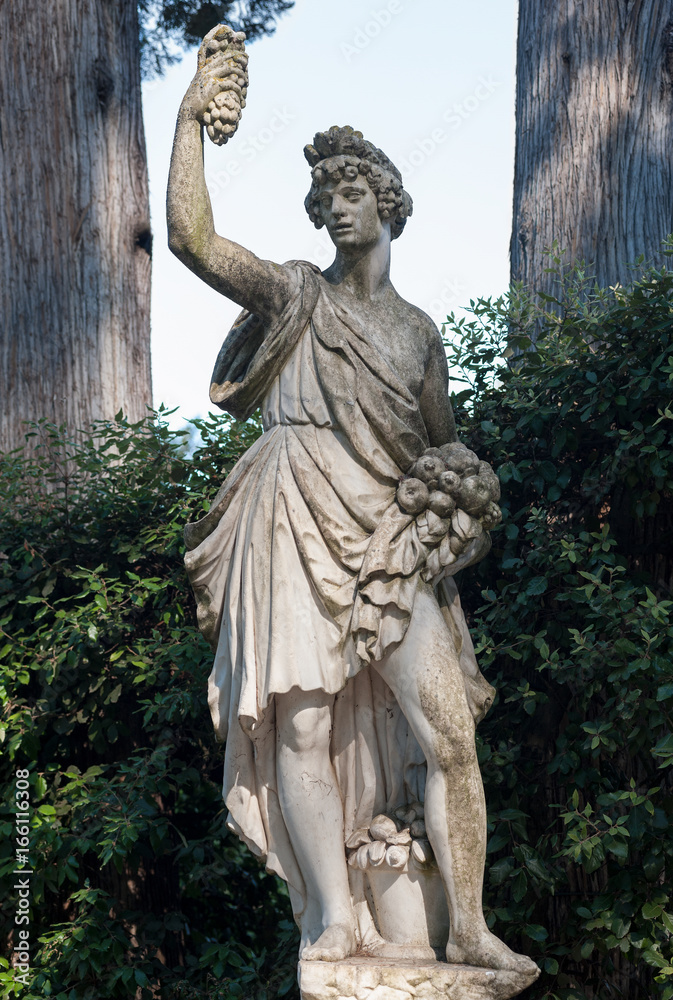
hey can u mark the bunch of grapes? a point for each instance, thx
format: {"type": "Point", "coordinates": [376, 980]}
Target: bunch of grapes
{"type": "Point", "coordinates": [224, 112]}
{"type": "Point", "coordinates": [389, 194]}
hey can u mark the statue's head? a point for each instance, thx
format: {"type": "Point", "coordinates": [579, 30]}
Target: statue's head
{"type": "Point", "coordinates": [342, 154]}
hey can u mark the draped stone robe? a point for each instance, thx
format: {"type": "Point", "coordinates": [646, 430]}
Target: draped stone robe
{"type": "Point", "coordinates": [305, 569]}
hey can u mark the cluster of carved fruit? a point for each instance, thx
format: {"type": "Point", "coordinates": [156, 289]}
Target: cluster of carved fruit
{"type": "Point", "coordinates": [224, 112]}
{"type": "Point", "coordinates": [449, 479]}
{"type": "Point", "coordinates": [391, 840]}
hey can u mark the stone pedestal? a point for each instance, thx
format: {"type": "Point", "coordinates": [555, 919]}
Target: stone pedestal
{"type": "Point", "coordinates": [395, 979]}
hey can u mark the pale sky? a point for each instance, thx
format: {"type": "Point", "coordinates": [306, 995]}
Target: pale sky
{"type": "Point", "coordinates": [431, 82]}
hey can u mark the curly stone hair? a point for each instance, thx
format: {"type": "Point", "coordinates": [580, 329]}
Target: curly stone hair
{"type": "Point", "coordinates": [344, 153]}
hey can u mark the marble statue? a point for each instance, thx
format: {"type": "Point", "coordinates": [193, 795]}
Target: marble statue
{"type": "Point", "coordinates": [344, 682]}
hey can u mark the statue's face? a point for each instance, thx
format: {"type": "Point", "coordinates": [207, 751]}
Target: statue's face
{"type": "Point", "coordinates": [349, 210]}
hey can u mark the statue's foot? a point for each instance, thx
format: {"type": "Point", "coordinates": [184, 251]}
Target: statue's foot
{"type": "Point", "coordinates": [333, 945]}
{"type": "Point", "coordinates": [407, 952]}
{"type": "Point", "coordinates": [486, 951]}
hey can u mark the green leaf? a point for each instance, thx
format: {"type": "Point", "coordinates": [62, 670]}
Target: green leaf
{"type": "Point", "coordinates": [536, 932]}
{"type": "Point", "coordinates": [519, 886]}
{"type": "Point", "coordinates": [114, 694]}
{"type": "Point", "coordinates": [653, 957]}
{"type": "Point", "coordinates": [538, 585]}
{"type": "Point", "coordinates": [619, 848]}
{"type": "Point", "coordinates": [509, 815]}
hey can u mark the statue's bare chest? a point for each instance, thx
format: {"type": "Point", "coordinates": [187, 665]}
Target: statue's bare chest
{"type": "Point", "coordinates": [390, 329]}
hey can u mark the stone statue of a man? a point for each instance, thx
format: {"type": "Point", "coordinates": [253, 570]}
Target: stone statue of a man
{"type": "Point", "coordinates": [344, 678]}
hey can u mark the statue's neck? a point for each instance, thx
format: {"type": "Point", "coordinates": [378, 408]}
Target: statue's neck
{"type": "Point", "coordinates": [364, 273]}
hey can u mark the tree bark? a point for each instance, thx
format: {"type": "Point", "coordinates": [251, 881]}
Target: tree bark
{"type": "Point", "coordinates": [594, 133]}
{"type": "Point", "coordinates": [74, 223]}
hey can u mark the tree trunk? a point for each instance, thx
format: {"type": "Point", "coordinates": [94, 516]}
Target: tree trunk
{"type": "Point", "coordinates": [594, 134]}
{"type": "Point", "coordinates": [594, 171]}
{"type": "Point", "coordinates": [74, 226]}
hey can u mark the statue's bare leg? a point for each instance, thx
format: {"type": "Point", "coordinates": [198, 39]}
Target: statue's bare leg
{"type": "Point", "coordinates": [313, 813]}
{"type": "Point", "coordinates": [424, 674]}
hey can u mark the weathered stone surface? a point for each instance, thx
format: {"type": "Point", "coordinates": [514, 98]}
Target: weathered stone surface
{"type": "Point", "coordinates": [372, 979]}
{"type": "Point", "coordinates": [345, 682]}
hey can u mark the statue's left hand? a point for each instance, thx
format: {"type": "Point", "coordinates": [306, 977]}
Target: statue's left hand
{"type": "Point", "coordinates": [449, 558]}
{"type": "Point", "coordinates": [474, 550]}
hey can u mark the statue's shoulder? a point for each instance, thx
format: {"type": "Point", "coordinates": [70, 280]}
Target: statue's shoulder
{"type": "Point", "coordinates": [424, 328]}
{"type": "Point", "coordinates": [303, 265]}
{"type": "Point", "coordinates": [305, 279]}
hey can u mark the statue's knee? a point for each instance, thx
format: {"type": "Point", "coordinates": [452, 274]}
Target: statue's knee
{"type": "Point", "coordinates": [455, 747]}
{"type": "Point", "coordinates": [306, 731]}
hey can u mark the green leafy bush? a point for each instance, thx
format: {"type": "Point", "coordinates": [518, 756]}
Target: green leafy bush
{"type": "Point", "coordinates": [139, 890]}
{"type": "Point", "coordinates": [137, 884]}
{"type": "Point", "coordinates": [572, 617]}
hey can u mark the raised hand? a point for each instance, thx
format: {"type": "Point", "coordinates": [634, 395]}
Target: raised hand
{"type": "Point", "coordinates": [216, 95]}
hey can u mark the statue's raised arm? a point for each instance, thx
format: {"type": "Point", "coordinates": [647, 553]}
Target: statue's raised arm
{"type": "Point", "coordinates": [214, 101]}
